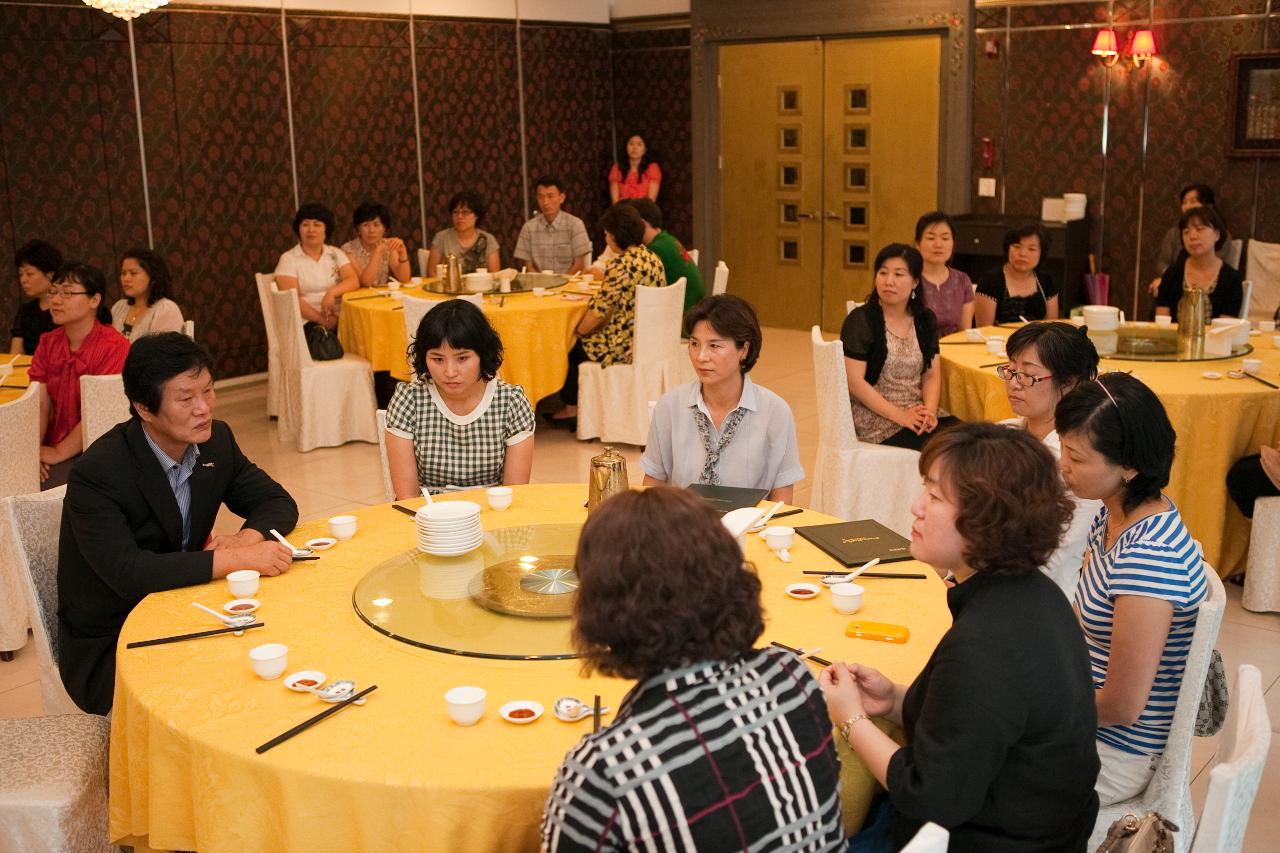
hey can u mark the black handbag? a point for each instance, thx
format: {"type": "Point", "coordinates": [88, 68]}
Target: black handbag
{"type": "Point", "coordinates": [321, 343]}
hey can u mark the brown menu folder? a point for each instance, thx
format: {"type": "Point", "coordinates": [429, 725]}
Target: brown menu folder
{"type": "Point", "coordinates": [855, 542]}
{"type": "Point", "coordinates": [726, 498]}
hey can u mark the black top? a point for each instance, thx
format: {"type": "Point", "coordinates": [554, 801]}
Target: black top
{"type": "Point", "coordinates": [121, 539]}
{"type": "Point", "coordinates": [1001, 724]}
{"type": "Point", "coordinates": [863, 336]}
{"type": "Point", "coordinates": [30, 323]}
{"type": "Point", "coordinates": [1224, 299]}
{"type": "Point", "coordinates": [1010, 308]}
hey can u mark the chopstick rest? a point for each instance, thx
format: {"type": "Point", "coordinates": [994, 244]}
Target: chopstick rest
{"type": "Point", "coordinates": [180, 637]}
{"type": "Point", "coordinates": [306, 724]}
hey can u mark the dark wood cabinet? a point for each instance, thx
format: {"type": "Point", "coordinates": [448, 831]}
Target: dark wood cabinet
{"type": "Point", "coordinates": [980, 249]}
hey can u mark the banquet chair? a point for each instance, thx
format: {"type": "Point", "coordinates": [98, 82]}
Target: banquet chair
{"type": "Point", "coordinates": [1234, 249]}
{"type": "Point", "coordinates": [265, 282]}
{"type": "Point", "coordinates": [720, 283]}
{"type": "Point", "coordinates": [1262, 264]}
{"type": "Point", "coordinates": [850, 305]}
{"type": "Point", "coordinates": [322, 403]}
{"type": "Point", "coordinates": [856, 480]}
{"type": "Point", "coordinates": [613, 402]}
{"type": "Point", "coordinates": [693, 256]}
{"type": "Point", "coordinates": [382, 453]}
{"type": "Point", "coordinates": [1262, 577]}
{"type": "Point", "coordinates": [930, 838]}
{"type": "Point", "coordinates": [1237, 770]}
{"type": "Point", "coordinates": [1246, 299]}
{"type": "Point", "coordinates": [423, 256]}
{"type": "Point", "coordinates": [20, 462]}
{"type": "Point", "coordinates": [102, 405]}
{"type": "Point", "coordinates": [1169, 791]}
{"type": "Point", "coordinates": [415, 308]}
{"type": "Point", "coordinates": [189, 329]}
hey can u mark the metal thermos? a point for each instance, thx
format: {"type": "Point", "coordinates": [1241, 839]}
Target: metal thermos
{"type": "Point", "coordinates": [1194, 312]}
{"type": "Point", "coordinates": [607, 477]}
{"type": "Point", "coordinates": [453, 275]}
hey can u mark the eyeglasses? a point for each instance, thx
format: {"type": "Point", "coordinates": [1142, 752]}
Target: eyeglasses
{"type": "Point", "coordinates": [1026, 380]}
{"type": "Point", "coordinates": [57, 292]}
{"type": "Point", "coordinates": [464, 212]}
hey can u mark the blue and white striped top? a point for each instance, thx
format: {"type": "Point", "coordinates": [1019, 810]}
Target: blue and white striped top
{"type": "Point", "coordinates": [1154, 557]}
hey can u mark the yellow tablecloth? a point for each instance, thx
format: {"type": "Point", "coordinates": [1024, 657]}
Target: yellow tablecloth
{"type": "Point", "coordinates": [396, 774]}
{"type": "Point", "coordinates": [536, 332]}
{"type": "Point", "coordinates": [1218, 421]}
{"type": "Point", "coordinates": [15, 384]}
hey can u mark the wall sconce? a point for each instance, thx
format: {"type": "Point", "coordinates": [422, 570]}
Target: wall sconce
{"type": "Point", "coordinates": [1107, 47]}
{"type": "Point", "coordinates": [1142, 47]}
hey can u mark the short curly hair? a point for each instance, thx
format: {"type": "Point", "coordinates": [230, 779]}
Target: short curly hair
{"type": "Point", "coordinates": [624, 223]}
{"type": "Point", "coordinates": [1012, 506]}
{"type": "Point", "coordinates": [461, 325]}
{"type": "Point", "coordinates": [39, 254]}
{"type": "Point", "coordinates": [649, 601]}
{"type": "Point", "coordinates": [314, 210]}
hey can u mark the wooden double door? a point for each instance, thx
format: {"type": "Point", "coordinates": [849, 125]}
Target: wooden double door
{"type": "Point", "coordinates": [828, 151]}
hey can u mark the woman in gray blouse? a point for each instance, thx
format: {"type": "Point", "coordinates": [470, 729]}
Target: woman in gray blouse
{"type": "Point", "coordinates": [475, 247]}
{"type": "Point", "coordinates": [722, 429]}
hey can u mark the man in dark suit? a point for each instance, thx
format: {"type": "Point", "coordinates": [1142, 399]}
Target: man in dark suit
{"type": "Point", "coordinates": [141, 504]}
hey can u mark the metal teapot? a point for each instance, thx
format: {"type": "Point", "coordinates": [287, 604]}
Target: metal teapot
{"type": "Point", "coordinates": [1194, 312]}
{"type": "Point", "coordinates": [453, 275]}
{"type": "Point", "coordinates": [606, 478]}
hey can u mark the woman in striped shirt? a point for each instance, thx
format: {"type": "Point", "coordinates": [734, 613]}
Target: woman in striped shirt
{"type": "Point", "coordinates": [1143, 577]}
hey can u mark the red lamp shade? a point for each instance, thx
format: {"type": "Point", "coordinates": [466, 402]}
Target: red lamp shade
{"type": "Point", "coordinates": [1143, 45]}
{"type": "Point", "coordinates": [1106, 44]}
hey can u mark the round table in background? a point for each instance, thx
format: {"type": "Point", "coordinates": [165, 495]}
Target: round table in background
{"type": "Point", "coordinates": [536, 332]}
{"type": "Point", "coordinates": [396, 774]}
{"type": "Point", "coordinates": [1217, 420]}
{"type": "Point", "coordinates": [15, 384]}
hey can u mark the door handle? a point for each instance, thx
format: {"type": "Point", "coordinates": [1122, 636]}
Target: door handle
{"type": "Point", "coordinates": [829, 214]}
{"type": "Point", "coordinates": [809, 215]}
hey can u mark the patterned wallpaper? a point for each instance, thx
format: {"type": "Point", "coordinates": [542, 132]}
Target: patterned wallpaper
{"type": "Point", "coordinates": [1054, 115]}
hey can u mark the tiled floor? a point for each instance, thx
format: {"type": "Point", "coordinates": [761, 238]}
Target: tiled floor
{"type": "Point", "coordinates": [327, 481]}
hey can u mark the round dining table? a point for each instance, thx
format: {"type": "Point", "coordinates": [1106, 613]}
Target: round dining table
{"type": "Point", "coordinates": [15, 383]}
{"type": "Point", "coordinates": [397, 773]}
{"type": "Point", "coordinates": [536, 332]}
{"type": "Point", "coordinates": [1218, 420]}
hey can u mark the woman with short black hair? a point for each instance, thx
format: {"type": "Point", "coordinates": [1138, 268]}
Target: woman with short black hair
{"type": "Point", "coordinates": [376, 257]}
{"type": "Point", "coordinates": [456, 425]}
{"type": "Point", "coordinates": [950, 290]}
{"type": "Point", "coordinates": [320, 273]}
{"type": "Point", "coordinates": [1018, 290]}
{"type": "Point", "coordinates": [475, 247]}
{"type": "Point", "coordinates": [718, 744]}
{"type": "Point", "coordinates": [1199, 266]}
{"type": "Point", "coordinates": [37, 263]}
{"type": "Point", "coordinates": [1143, 579]}
{"type": "Point", "coordinates": [146, 307]}
{"type": "Point", "coordinates": [722, 429]}
{"type": "Point", "coordinates": [1000, 722]}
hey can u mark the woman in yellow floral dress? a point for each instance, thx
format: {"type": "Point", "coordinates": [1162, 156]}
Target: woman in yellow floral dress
{"type": "Point", "coordinates": [606, 331]}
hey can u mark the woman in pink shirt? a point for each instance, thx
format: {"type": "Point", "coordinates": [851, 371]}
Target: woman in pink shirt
{"type": "Point", "coordinates": [642, 177]}
{"type": "Point", "coordinates": [84, 344]}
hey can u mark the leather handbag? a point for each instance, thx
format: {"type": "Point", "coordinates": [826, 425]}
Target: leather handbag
{"type": "Point", "coordinates": [322, 343]}
{"type": "Point", "coordinates": [1133, 834]}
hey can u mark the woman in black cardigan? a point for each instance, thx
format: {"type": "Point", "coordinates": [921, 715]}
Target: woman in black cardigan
{"type": "Point", "coordinates": [1000, 724]}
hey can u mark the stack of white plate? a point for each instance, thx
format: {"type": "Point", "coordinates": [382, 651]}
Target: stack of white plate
{"type": "Point", "coordinates": [449, 528]}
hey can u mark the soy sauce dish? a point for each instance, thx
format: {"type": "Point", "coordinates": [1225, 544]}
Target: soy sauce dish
{"type": "Point", "coordinates": [521, 711]}
{"type": "Point", "coordinates": [803, 591]}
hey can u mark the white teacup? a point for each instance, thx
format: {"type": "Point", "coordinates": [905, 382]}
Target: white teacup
{"type": "Point", "coordinates": [1252, 365]}
{"type": "Point", "coordinates": [974, 336]}
{"type": "Point", "coordinates": [342, 526]}
{"type": "Point", "coordinates": [1267, 326]}
{"type": "Point", "coordinates": [465, 705]}
{"type": "Point", "coordinates": [780, 537]}
{"type": "Point", "coordinates": [539, 291]}
{"type": "Point", "coordinates": [393, 285]}
{"type": "Point", "coordinates": [1164, 321]}
{"type": "Point", "coordinates": [269, 660]}
{"type": "Point", "coordinates": [846, 597]}
{"type": "Point", "coordinates": [499, 497]}
{"type": "Point", "coordinates": [995, 346]}
{"type": "Point", "coordinates": [244, 583]}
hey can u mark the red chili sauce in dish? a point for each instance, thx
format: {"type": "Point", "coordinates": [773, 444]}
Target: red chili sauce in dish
{"type": "Point", "coordinates": [803, 593]}
{"type": "Point", "coordinates": [521, 713]}
{"type": "Point", "coordinates": [306, 682]}
{"type": "Point", "coordinates": [242, 607]}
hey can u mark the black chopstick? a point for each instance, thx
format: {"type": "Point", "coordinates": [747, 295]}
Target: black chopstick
{"type": "Point", "coordinates": [300, 559]}
{"type": "Point", "coordinates": [595, 715]}
{"type": "Point", "coordinates": [25, 387]}
{"type": "Point", "coordinates": [913, 576]}
{"type": "Point", "coordinates": [1252, 376]}
{"type": "Point", "coordinates": [819, 661]}
{"type": "Point", "coordinates": [405, 510]}
{"type": "Point", "coordinates": [787, 512]}
{"type": "Point", "coordinates": [993, 364]}
{"type": "Point", "coordinates": [306, 724]}
{"type": "Point", "coordinates": [180, 637]}
{"type": "Point", "coordinates": [362, 296]}
{"type": "Point", "coordinates": [398, 308]}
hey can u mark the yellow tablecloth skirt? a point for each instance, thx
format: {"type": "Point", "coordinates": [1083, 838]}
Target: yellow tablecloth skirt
{"type": "Point", "coordinates": [15, 384]}
{"type": "Point", "coordinates": [1217, 420]}
{"type": "Point", "coordinates": [396, 774]}
{"type": "Point", "coordinates": [536, 332]}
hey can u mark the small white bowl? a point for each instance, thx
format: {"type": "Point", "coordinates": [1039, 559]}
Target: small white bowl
{"type": "Point", "coordinates": [342, 526]}
{"type": "Point", "coordinates": [321, 543]}
{"type": "Point", "coordinates": [269, 660]}
{"type": "Point", "coordinates": [779, 537]}
{"type": "Point", "coordinates": [291, 680]}
{"type": "Point", "coordinates": [243, 583]}
{"type": "Point", "coordinates": [974, 336]}
{"type": "Point", "coordinates": [465, 705]}
{"type": "Point", "coordinates": [1266, 326]}
{"type": "Point", "coordinates": [1251, 365]}
{"type": "Point", "coordinates": [235, 609]}
{"type": "Point", "coordinates": [1164, 321]}
{"type": "Point", "coordinates": [520, 705]}
{"type": "Point", "coordinates": [803, 591]}
{"type": "Point", "coordinates": [499, 497]}
{"type": "Point", "coordinates": [846, 597]}
{"type": "Point", "coordinates": [995, 345]}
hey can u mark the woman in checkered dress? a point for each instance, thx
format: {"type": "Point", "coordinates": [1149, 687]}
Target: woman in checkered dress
{"type": "Point", "coordinates": [456, 425]}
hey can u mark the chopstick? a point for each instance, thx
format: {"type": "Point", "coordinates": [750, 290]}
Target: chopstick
{"type": "Point", "coordinates": [363, 296]}
{"type": "Point", "coordinates": [993, 364]}
{"type": "Point", "coordinates": [1252, 376]}
{"type": "Point", "coordinates": [301, 559]}
{"type": "Point", "coordinates": [306, 724]}
{"type": "Point", "coordinates": [595, 715]}
{"type": "Point", "coordinates": [398, 308]}
{"type": "Point", "coordinates": [19, 387]}
{"type": "Point", "coordinates": [787, 512]}
{"type": "Point", "coordinates": [803, 656]}
{"type": "Point", "coordinates": [180, 637]}
{"type": "Point", "coordinates": [912, 576]}
{"type": "Point", "coordinates": [405, 510]}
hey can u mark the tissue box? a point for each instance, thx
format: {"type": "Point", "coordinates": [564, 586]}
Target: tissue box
{"type": "Point", "coordinates": [1217, 341]}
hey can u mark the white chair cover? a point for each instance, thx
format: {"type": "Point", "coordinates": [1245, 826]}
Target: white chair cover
{"type": "Point", "coordinates": [53, 792]}
{"type": "Point", "coordinates": [265, 282]}
{"type": "Point", "coordinates": [1234, 248]}
{"type": "Point", "coordinates": [1246, 299]}
{"type": "Point", "coordinates": [382, 452]}
{"type": "Point", "coordinates": [693, 256]}
{"type": "Point", "coordinates": [1169, 791]}
{"type": "Point", "coordinates": [189, 329]}
{"type": "Point", "coordinates": [849, 305]}
{"type": "Point", "coordinates": [102, 405]}
{"type": "Point", "coordinates": [323, 403]}
{"type": "Point", "coordinates": [1262, 265]}
{"type": "Point", "coordinates": [1262, 579]}
{"type": "Point", "coordinates": [931, 838]}
{"type": "Point", "coordinates": [854, 480]}
{"type": "Point", "coordinates": [20, 462]}
{"type": "Point", "coordinates": [1242, 756]}
{"type": "Point", "coordinates": [423, 255]}
{"type": "Point", "coordinates": [415, 309]}
{"type": "Point", "coordinates": [721, 282]}
{"type": "Point", "coordinates": [613, 402]}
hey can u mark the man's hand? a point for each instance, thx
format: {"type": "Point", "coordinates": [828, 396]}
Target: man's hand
{"type": "Point", "coordinates": [268, 558]}
{"type": "Point", "coordinates": [243, 539]}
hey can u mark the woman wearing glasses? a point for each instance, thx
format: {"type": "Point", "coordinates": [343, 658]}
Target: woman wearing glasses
{"type": "Point", "coordinates": [84, 344]}
{"type": "Point", "coordinates": [1143, 578]}
{"type": "Point", "coordinates": [474, 246]}
{"type": "Point", "coordinates": [1046, 360]}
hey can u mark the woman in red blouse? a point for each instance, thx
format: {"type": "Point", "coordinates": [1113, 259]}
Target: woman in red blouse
{"type": "Point", "coordinates": [642, 178]}
{"type": "Point", "coordinates": [84, 344]}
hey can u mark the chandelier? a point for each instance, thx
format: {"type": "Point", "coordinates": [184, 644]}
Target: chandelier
{"type": "Point", "coordinates": [126, 9]}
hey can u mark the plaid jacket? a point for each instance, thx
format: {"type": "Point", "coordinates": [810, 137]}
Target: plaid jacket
{"type": "Point", "coordinates": [719, 755]}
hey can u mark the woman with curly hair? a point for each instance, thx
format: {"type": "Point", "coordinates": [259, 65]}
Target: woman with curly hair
{"type": "Point", "coordinates": [719, 745]}
{"type": "Point", "coordinates": [1000, 722]}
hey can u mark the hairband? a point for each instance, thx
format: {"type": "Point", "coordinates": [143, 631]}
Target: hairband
{"type": "Point", "coordinates": [1108, 393]}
